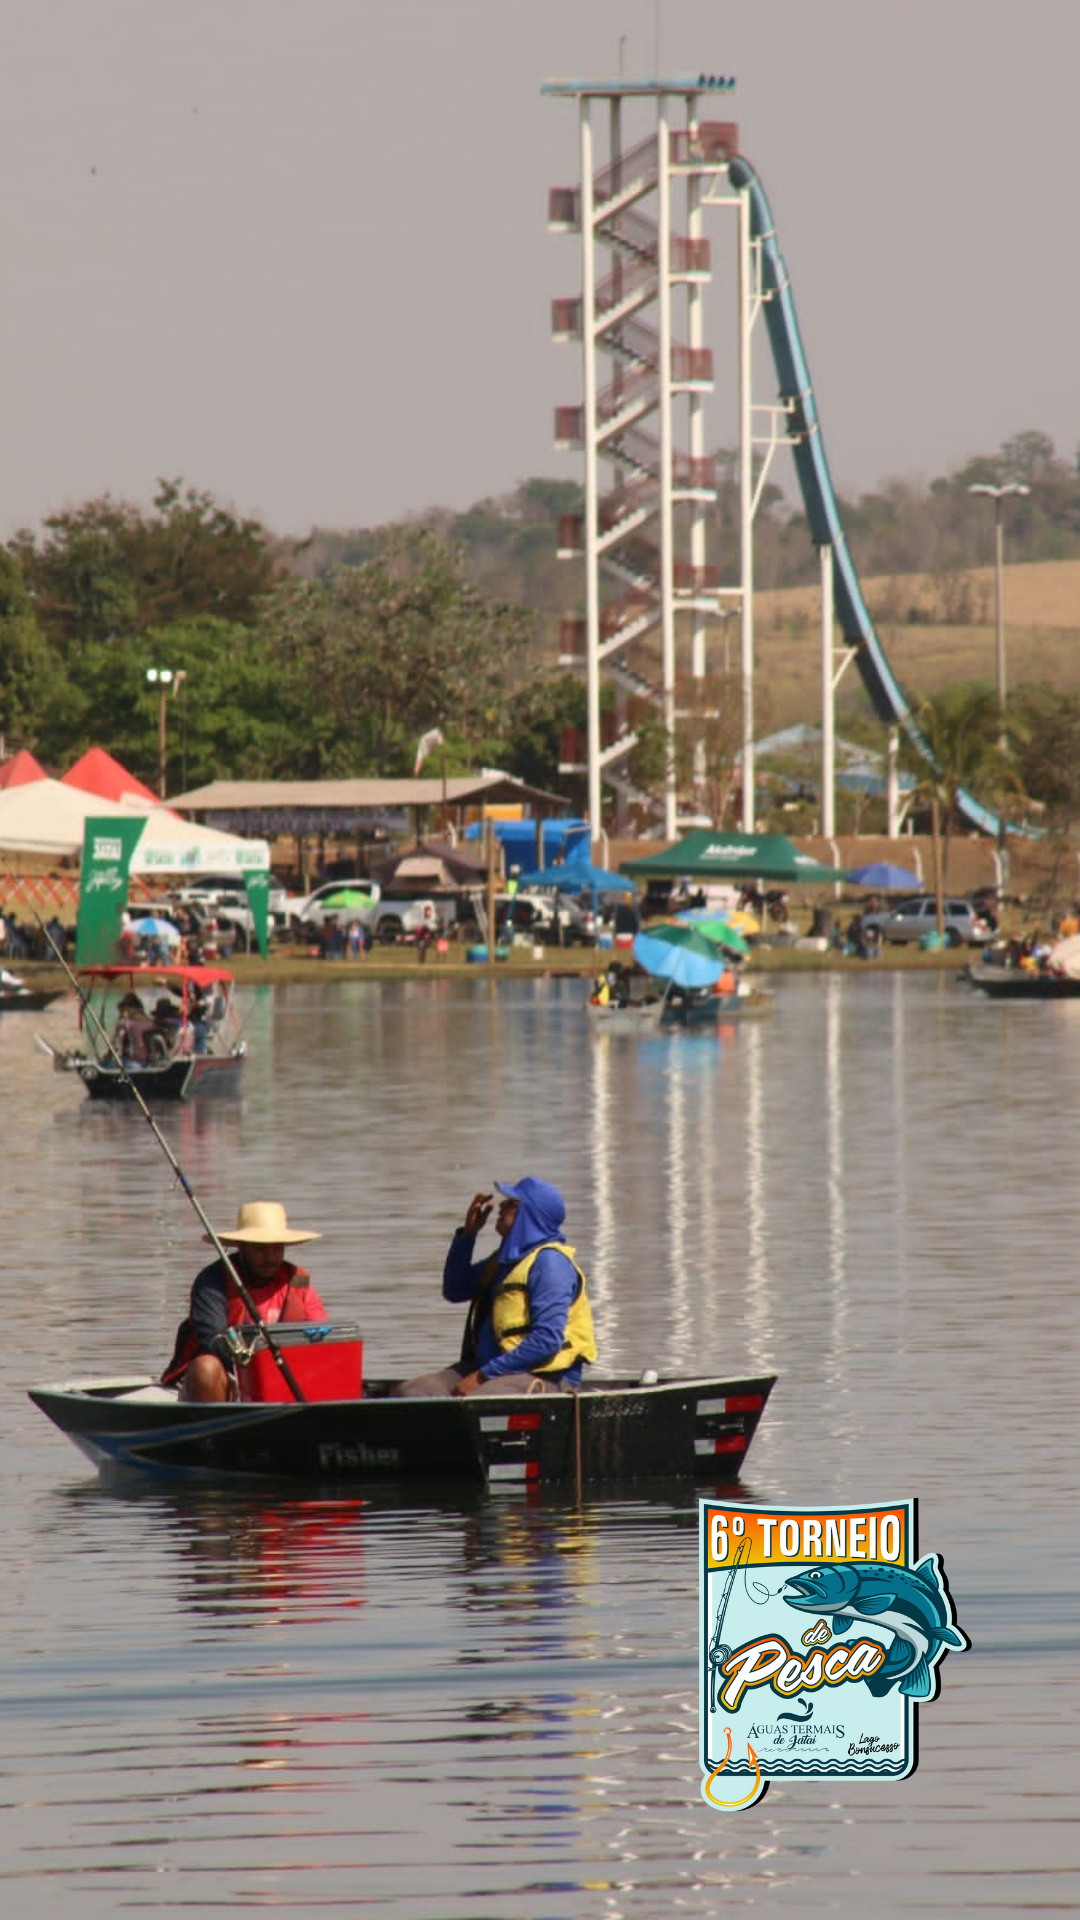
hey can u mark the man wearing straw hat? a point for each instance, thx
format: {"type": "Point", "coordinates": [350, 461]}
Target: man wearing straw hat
{"type": "Point", "coordinates": [210, 1339]}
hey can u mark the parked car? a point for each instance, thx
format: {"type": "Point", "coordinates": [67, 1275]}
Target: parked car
{"type": "Point", "coordinates": [401, 918]}
{"type": "Point", "coordinates": [232, 912]}
{"type": "Point", "coordinates": [210, 886]}
{"type": "Point", "coordinates": [225, 910]}
{"type": "Point", "coordinates": [915, 916]}
{"type": "Point", "coordinates": [552, 919]}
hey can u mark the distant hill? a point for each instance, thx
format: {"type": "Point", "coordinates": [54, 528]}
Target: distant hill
{"type": "Point", "coordinates": [936, 629]}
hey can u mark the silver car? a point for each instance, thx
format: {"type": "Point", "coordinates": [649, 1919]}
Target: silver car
{"type": "Point", "coordinates": [912, 918]}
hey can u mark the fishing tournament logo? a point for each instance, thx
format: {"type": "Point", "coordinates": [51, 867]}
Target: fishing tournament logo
{"type": "Point", "coordinates": [822, 1631]}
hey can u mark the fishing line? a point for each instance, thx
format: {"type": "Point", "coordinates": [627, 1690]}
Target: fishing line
{"type": "Point", "coordinates": [90, 1014]}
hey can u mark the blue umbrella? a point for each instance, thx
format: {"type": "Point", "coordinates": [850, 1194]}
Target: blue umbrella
{"type": "Point", "coordinates": [681, 955]}
{"type": "Point", "coordinates": [881, 874]}
{"type": "Point", "coordinates": [579, 876]}
{"type": "Point", "coordinates": [156, 928]}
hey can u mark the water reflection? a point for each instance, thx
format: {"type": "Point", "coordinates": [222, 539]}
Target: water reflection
{"type": "Point", "coordinates": [268, 1701]}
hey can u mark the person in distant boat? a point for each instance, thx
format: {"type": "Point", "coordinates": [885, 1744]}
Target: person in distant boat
{"type": "Point", "coordinates": [218, 1323]}
{"type": "Point", "coordinates": [200, 1009]}
{"type": "Point", "coordinates": [619, 980]}
{"type": "Point", "coordinates": [168, 1016]}
{"type": "Point", "coordinates": [529, 1327]}
{"type": "Point", "coordinates": [133, 1023]}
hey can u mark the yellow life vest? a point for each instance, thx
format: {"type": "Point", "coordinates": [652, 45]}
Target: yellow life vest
{"type": "Point", "coordinates": [510, 1311]}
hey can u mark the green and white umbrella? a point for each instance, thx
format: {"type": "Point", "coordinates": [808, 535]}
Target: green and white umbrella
{"type": "Point", "coordinates": [715, 927]}
{"type": "Point", "coordinates": [350, 899]}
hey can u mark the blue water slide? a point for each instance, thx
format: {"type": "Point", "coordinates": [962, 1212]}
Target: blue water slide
{"type": "Point", "coordinates": [815, 483]}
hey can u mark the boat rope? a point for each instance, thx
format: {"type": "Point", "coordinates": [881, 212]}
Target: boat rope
{"type": "Point", "coordinates": [89, 1013]}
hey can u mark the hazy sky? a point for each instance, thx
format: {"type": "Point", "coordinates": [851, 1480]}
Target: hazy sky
{"type": "Point", "coordinates": [295, 251]}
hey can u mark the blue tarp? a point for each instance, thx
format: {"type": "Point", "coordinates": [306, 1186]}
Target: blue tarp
{"type": "Point", "coordinates": [578, 876]}
{"type": "Point", "coordinates": [561, 837]}
{"type": "Point", "coordinates": [882, 873]}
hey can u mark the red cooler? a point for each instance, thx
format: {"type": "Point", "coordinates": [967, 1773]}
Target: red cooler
{"type": "Point", "coordinates": [326, 1361]}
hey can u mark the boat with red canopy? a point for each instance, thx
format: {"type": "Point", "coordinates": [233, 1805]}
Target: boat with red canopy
{"type": "Point", "coordinates": [170, 1032]}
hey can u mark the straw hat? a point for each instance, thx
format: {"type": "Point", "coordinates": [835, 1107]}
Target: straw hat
{"type": "Point", "coordinates": [262, 1223]}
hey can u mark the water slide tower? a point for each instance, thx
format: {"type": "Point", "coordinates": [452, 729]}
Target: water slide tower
{"type": "Point", "coordinates": [653, 168]}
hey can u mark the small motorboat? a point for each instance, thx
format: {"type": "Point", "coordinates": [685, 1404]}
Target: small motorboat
{"type": "Point", "coordinates": [704, 1007]}
{"type": "Point", "coordinates": [627, 1016]}
{"type": "Point", "coordinates": [174, 1029]}
{"type": "Point", "coordinates": [612, 1429]}
{"type": "Point", "coordinates": [17, 997]}
{"type": "Point", "coordinates": [1028, 970]}
{"type": "Point", "coordinates": [1020, 983]}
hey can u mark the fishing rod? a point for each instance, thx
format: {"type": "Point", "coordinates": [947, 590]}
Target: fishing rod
{"type": "Point", "coordinates": [89, 1013]}
{"type": "Point", "coordinates": [718, 1652]}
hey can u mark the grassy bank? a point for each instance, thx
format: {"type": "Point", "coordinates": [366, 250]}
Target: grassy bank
{"type": "Point", "coordinates": [286, 966]}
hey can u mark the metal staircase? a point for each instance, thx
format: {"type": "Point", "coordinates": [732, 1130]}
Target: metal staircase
{"type": "Point", "coordinates": [649, 485]}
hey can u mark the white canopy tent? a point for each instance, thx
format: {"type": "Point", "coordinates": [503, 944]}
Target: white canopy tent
{"type": "Point", "coordinates": [49, 817]}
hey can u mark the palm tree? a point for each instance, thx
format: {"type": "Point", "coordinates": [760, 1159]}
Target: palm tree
{"type": "Point", "coordinates": [961, 728]}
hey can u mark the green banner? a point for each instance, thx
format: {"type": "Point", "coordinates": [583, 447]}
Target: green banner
{"type": "Point", "coordinates": [108, 845]}
{"type": "Point", "coordinates": [258, 893]}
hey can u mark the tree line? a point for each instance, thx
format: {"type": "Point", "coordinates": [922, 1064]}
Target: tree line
{"type": "Point", "coordinates": [331, 655]}
{"type": "Point", "coordinates": [288, 672]}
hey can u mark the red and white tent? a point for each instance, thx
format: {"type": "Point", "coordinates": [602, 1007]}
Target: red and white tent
{"type": "Point", "coordinates": [20, 770]}
{"type": "Point", "coordinates": [49, 817]}
{"type": "Point", "coordinates": [98, 773]}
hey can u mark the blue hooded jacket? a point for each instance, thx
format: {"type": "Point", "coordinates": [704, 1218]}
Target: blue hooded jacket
{"type": "Point", "coordinates": [552, 1282]}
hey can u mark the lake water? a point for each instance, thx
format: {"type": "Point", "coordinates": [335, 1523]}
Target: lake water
{"type": "Point", "coordinates": [221, 1702]}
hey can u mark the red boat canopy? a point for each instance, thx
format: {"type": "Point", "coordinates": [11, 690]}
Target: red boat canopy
{"type": "Point", "coordinates": [155, 976]}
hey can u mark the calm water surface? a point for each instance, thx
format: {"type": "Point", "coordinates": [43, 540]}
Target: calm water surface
{"type": "Point", "coordinates": [224, 1702]}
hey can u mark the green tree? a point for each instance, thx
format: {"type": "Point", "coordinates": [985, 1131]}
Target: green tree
{"type": "Point", "coordinates": [77, 574]}
{"type": "Point", "coordinates": [107, 569]}
{"type": "Point", "coordinates": [962, 731]}
{"type": "Point", "coordinates": [32, 681]}
{"type": "Point", "coordinates": [377, 654]}
{"type": "Point", "coordinates": [229, 717]}
{"type": "Point", "coordinates": [1048, 748]}
{"type": "Point", "coordinates": [542, 710]}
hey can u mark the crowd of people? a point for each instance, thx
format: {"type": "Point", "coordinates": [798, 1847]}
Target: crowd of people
{"type": "Point", "coordinates": [343, 940]}
{"type": "Point", "coordinates": [29, 940]}
{"type": "Point", "coordinates": [174, 1024]}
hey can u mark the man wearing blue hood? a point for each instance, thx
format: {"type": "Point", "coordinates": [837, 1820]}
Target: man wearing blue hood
{"type": "Point", "coordinates": [529, 1326]}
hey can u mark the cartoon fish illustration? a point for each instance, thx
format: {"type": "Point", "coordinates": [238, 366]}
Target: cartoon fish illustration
{"type": "Point", "coordinates": [909, 1601]}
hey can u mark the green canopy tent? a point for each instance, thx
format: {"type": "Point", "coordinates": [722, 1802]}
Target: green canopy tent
{"type": "Point", "coordinates": [712, 853]}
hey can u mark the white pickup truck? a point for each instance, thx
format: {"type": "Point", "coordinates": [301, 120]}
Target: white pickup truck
{"type": "Point", "coordinates": [229, 909]}
{"type": "Point", "coordinates": [401, 919]}
{"type": "Point", "coordinates": [307, 913]}
{"type": "Point", "coordinates": [388, 920]}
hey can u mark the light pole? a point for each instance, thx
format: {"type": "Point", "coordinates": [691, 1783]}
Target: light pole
{"type": "Point", "coordinates": [166, 682]}
{"type": "Point", "coordinates": [998, 495]}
